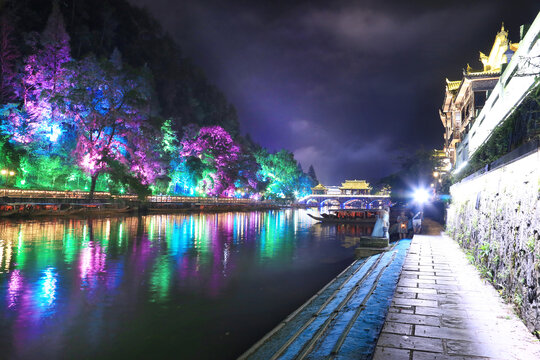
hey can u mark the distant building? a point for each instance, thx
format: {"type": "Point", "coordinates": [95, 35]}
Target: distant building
{"type": "Point", "coordinates": [319, 190]}
{"type": "Point", "coordinates": [349, 187]}
{"type": "Point", "coordinates": [465, 98]}
{"type": "Point", "coordinates": [385, 191]}
{"type": "Point", "coordinates": [444, 165]}
{"type": "Point", "coordinates": [333, 190]}
{"type": "Point", "coordinates": [355, 187]}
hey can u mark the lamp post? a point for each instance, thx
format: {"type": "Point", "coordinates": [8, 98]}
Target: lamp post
{"type": "Point", "coordinates": [6, 174]}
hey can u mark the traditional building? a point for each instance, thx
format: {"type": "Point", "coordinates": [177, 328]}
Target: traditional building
{"type": "Point", "coordinates": [319, 190]}
{"type": "Point", "coordinates": [503, 147]}
{"type": "Point", "coordinates": [349, 187]}
{"type": "Point", "coordinates": [465, 98]}
{"type": "Point", "coordinates": [518, 80]}
{"type": "Point", "coordinates": [355, 187]}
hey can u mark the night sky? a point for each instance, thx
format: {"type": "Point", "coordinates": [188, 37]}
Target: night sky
{"type": "Point", "coordinates": [348, 86]}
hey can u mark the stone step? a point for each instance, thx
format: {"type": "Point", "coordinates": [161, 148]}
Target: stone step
{"type": "Point", "coordinates": [364, 252]}
{"type": "Point", "coordinates": [373, 241]}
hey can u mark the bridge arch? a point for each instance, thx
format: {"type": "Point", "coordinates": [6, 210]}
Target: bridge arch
{"type": "Point", "coordinates": [356, 203]}
{"type": "Point", "coordinates": [330, 202]}
{"type": "Point", "coordinates": [379, 203]}
{"type": "Point", "coordinates": [313, 202]}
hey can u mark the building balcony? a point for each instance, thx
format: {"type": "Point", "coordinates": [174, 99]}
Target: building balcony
{"type": "Point", "coordinates": [456, 137]}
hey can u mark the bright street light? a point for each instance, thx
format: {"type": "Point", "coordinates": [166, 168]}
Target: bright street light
{"type": "Point", "coordinates": [421, 196]}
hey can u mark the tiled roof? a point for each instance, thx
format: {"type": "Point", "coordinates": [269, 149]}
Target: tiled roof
{"type": "Point", "coordinates": [319, 187]}
{"type": "Point", "coordinates": [453, 85]}
{"type": "Point", "coordinates": [355, 185]}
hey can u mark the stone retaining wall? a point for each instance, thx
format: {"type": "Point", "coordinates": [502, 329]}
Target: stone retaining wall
{"type": "Point", "coordinates": [495, 217]}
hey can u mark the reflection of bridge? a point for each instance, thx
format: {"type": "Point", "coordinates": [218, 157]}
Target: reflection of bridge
{"type": "Point", "coordinates": [363, 201]}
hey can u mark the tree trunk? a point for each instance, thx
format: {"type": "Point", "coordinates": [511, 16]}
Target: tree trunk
{"type": "Point", "coordinates": [93, 186]}
{"type": "Point", "coordinates": [90, 230]}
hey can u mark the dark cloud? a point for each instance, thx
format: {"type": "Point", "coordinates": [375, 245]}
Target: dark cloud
{"type": "Point", "coordinates": [349, 86]}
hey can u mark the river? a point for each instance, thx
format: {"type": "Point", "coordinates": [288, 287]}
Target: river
{"type": "Point", "coordinates": [195, 286]}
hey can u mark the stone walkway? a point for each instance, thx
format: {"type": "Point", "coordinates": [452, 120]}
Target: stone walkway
{"type": "Point", "coordinates": [443, 310]}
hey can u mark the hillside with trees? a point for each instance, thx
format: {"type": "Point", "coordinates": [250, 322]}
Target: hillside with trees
{"type": "Point", "coordinates": [98, 97]}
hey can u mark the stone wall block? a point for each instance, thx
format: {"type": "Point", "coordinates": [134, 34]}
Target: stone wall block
{"type": "Point", "coordinates": [495, 217]}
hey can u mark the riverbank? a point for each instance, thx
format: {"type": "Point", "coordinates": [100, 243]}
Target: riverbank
{"type": "Point", "coordinates": [39, 209]}
{"type": "Point", "coordinates": [342, 320]}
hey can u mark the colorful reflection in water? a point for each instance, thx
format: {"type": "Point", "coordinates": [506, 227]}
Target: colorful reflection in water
{"type": "Point", "coordinates": [182, 286]}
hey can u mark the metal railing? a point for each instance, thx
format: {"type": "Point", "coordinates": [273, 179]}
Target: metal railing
{"type": "Point", "coordinates": [33, 194]}
{"type": "Point", "coordinates": [51, 194]}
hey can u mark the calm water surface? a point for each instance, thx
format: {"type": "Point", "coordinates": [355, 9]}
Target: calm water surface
{"type": "Point", "coordinates": [201, 286]}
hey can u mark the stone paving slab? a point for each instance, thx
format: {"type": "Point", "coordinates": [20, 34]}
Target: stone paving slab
{"type": "Point", "coordinates": [443, 310]}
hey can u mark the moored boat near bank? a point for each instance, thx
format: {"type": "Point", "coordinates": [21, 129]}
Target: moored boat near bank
{"type": "Point", "coordinates": [349, 216]}
{"type": "Point", "coordinates": [28, 210]}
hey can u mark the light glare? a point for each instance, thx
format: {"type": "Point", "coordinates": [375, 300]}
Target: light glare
{"type": "Point", "coordinates": [421, 196]}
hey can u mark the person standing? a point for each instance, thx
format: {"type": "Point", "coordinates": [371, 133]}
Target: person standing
{"type": "Point", "coordinates": [385, 216]}
{"type": "Point", "coordinates": [402, 225]}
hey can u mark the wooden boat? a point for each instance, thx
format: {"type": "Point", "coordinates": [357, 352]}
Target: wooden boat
{"type": "Point", "coordinates": [29, 210]}
{"type": "Point", "coordinates": [34, 210]}
{"type": "Point", "coordinates": [9, 213]}
{"type": "Point", "coordinates": [352, 216]}
{"type": "Point", "coordinates": [65, 212]}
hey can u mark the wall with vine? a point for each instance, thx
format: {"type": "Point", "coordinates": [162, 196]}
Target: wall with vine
{"type": "Point", "coordinates": [495, 217]}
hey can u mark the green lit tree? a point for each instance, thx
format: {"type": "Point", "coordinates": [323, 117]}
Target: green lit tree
{"type": "Point", "coordinates": [281, 173]}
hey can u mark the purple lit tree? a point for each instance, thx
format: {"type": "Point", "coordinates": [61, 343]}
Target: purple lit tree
{"type": "Point", "coordinates": [110, 110]}
{"type": "Point", "coordinates": [44, 78]}
{"type": "Point", "coordinates": [218, 153]}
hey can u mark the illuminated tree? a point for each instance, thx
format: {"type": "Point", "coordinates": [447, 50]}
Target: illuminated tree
{"type": "Point", "coordinates": [169, 142]}
{"type": "Point", "coordinates": [218, 153]}
{"type": "Point", "coordinates": [15, 123]}
{"type": "Point", "coordinates": [282, 173]}
{"type": "Point", "coordinates": [110, 110]}
{"type": "Point", "coordinates": [44, 78]}
{"type": "Point", "coordinates": [9, 156]}
{"type": "Point", "coordinates": [247, 181]}
{"type": "Point", "coordinates": [182, 175]}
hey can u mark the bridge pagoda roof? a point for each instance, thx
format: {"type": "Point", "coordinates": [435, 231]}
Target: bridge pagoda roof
{"type": "Point", "coordinates": [319, 187]}
{"type": "Point", "coordinates": [355, 185]}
